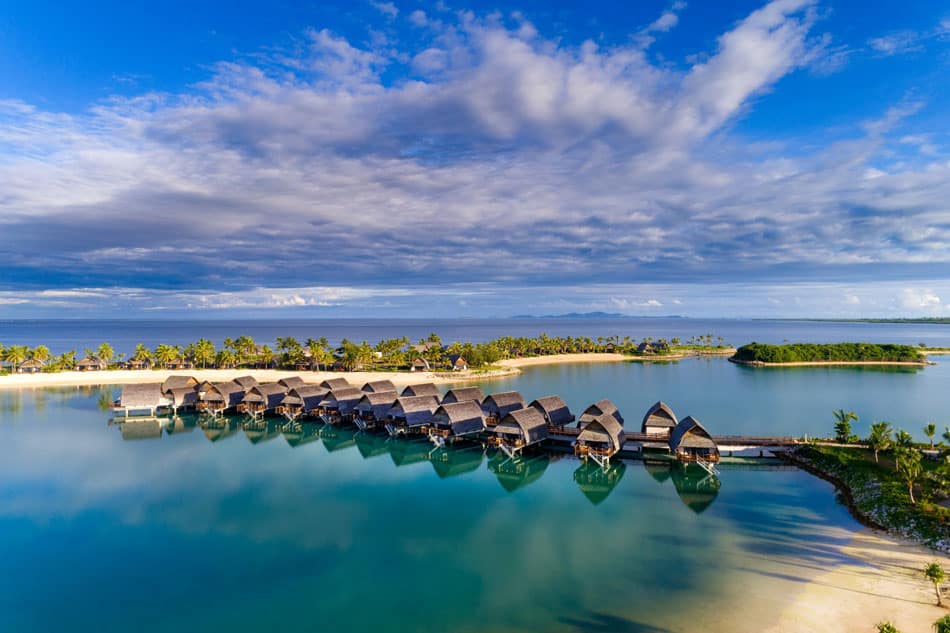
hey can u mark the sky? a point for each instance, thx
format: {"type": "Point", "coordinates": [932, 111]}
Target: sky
{"type": "Point", "coordinates": [474, 159]}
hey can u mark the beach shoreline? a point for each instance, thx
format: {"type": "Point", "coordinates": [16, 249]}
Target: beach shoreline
{"type": "Point", "coordinates": [834, 363]}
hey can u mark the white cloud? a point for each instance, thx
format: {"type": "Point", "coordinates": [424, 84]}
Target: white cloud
{"type": "Point", "coordinates": [418, 17]}
{"type": "Point", "coordinates": [386, 8]}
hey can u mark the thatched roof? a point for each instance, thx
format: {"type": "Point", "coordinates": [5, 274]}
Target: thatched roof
{"type": "Point", "coordinates": [424, 389]}
{"type": "Point", "coordinates": [499, 404]}
{"type": "Point", "coordinates": [690, 434]}
{"type": "Point", "coordinates": [31, 363]}
{"type": "Point", "coordinates": [377, 403]}
{"type": "Point", "coordinates": [91, 362]}
{"type": "Point", "coordinates": [603, 430]}
{"type": "Point", "coordinates": [598, 409]}
{"type": "Point", "coordinates": [554, 410]}
{"type": "Point", "coordinates": [147, 396]}
{"type": "Point", "coordinates": [413, 410]}
{"type": "Point", "coordinates": [182, 396]}
{"type": "Point", "coordinates": [309, 396]}
{"type": "Point", "coordinates": [462, 394]}
{"type": "Point", "coordinates": [335, 383]}
{"type": "Point", "coordinates": [462, 417]}
{"type": "Point", "coordinates": [292, 382]}
{"type": "Point", "coordinates": [420, 364]}
{"type": "Point", "coordinates": [457, 361]}
{"type": "Point", "coordinates": [246, 381]}
{"type": "Point", "coordinates": [342, 400]}
{"type": "Point", "coordinates": [177, 382]}
{"type": "Point", "coordinates": [270, 394]}
{"type": "Point", "coordinates": [379, 386]}
{"type": "Point", "coordinates": [227, 392]}
{"type": "Point", "coordinates": [528, 423]}
{"type": "Point", "coordinates": [659, 415]}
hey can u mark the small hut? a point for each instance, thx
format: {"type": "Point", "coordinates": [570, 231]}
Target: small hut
{"type": "Point", "coordinates": [177, 382]}
{"type": "Point", "coordinates": [691, 442]}
{"type": "Point", "coordinates": [137, 364]}
{"type": "Point", "coordinates": [411, 414]}
{"type": "Point", "coordinates": [372, 409]}
{"type": "Point", "coordinates": [220, 398]}
{"type": "Point", "coordinates": [520, 429]}
{"type": "Point", "coordinates": [462, 394]}
{"type": "Point", "coordinates": [498, 405]}
{"type": "Point", "coordinates": [659, 420]}
{"type": "Point", "coordinates": [600, 409]}
{"type": "Point", "coordinates": [555, 411]}
{"type": "Point", "coordinates": [425, 389]}
{"type": "Point", "coordinates": [91, 363]}
{"type": "Point", "coordinates": [246, 382]}
{"type": "Point", "coordinates": [338, 405]}
{"type": "Point", "coordinates": [303, 400]}
{"type": "Point", "coordinates": [600, 439]}
{"type": "Point", "coordinates": [182, 398]}
{"type": "Point", "coordinates": [419, 364]}
{"type": "Point", "coordinates": [30, 366]}
{"type": "Point", "coordinates": [262, 399]}
{"type": "Point", "coordinates": [455, 420]}
{"type": "Point", "coordinates": [141, 399]}
{"type": "Point", "coordinates": [378, 386]}
{"type": "Point", "coordinates": [291, 382]}
{"type": "Point", "coordinates": [457, 362]}
{"type": "Point", "coordinates": [335, 383]}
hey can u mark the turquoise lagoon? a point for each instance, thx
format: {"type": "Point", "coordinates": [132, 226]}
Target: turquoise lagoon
{"type": "Point", "coordinates": [150, 528]}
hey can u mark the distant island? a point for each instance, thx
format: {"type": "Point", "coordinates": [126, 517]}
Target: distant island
{"type": "Point", "coordinates": [926, 320]}
{"type": "Point", "coordinates": [594, 315]}
{"type": "Point", "coordinates": [763, 354]}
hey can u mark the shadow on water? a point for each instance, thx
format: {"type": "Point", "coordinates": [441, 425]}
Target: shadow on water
{"type": "Point", "coordinates": [596, 621]}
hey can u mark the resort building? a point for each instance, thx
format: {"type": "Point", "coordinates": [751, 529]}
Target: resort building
{"type": "Point", "coordinates": [410, 413]}
{"type": "Point", "coordinates": [600, 439]}
{"type": "Point", "coordinates": [302, 400]}
{"type": "Point", "coordinates": [338, 405]}
{"type": "Point", "coordinates": [424, 389]}
{"type": "Point", "coordinates": [379, 386]}
{"type": "Point", "coordinates": [372, 409]}
{"type": "Point", "coordinates": [177, 382]}
{"type": "Point", "coordinates": [457, 419]}
{"type": "Point", "coordinates": [182, 398]}
{"type": "Point", "coordinates": [138, 364]}
{"type": "Point", "coordinates": [91, 363]}
{"type": "Point", "coordinates": [498, 405]}
{"type": "Point", "coordinates": [598, 410]}
{"type": "Point", "coordinates": [262, 399]}
{"type": "Point", "coordinates": [520, 429]}
{"type": "Point", "coordinates": [555, 411]}
{"type": "Point", "coordinates": [457, 362]}
{"type": "Point", "coordinates": [220, 397]}
{"type": "Point", "coordinates": [292, 382]}
{"type": "Point", "coordinates": [659, 420]}
{"type": "Point", "coordinates": [419, 364]}
{"type": "Point", "coordinates": [335, 383]}
{"type": "Point", "coordinates": [691, 442]}
{"type": "Point", "coordinates": [247, 382]}
{"type": "Point", "coordinates": [30, 366]}
{"type": "Point", "coordinates": [462, 394]}
{"type": "Point", "coordinates": [144, 399]}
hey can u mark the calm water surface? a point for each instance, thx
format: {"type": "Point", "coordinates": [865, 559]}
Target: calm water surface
{"type": "Point", "coordinates": [138, 527]}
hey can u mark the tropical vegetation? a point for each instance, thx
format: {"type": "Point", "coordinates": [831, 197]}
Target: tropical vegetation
{"type": "Point", "coordinates": [828, 352]}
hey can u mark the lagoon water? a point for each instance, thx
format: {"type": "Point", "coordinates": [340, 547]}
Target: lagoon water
{"type": "Point", "coordinates": [151, 528]}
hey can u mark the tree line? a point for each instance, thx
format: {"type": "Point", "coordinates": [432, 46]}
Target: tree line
{"type": "Point", "coordinates": [827, 352]}
{"type": "Point", "coordinates": [318, 354]}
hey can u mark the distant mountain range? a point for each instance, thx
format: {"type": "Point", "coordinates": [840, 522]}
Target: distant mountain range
{"type": "Point", "coordinates": [593, 315]}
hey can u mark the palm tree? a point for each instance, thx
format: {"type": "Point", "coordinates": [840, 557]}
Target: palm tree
{"type": "Point", "coordinates": [225, 359]}
{"type": "Point", "coordinates": [886, 627]}
{"type": "Point", "coordinates": [204, 352]}
{"type": "Point", "coordinates": [40, 353]}
{"type": "Point", "coordinates": [908, 467]}
{"type": "Point", "coordinates": [15, 354]}
{"type": "Point", "coordinates": [930, 430]}
{"type": "Point", "coordinates": [942, 625]}
{"type": "Point", "coordinates": [880, 438]}
{"type": "Point", "coordinates": [166, 354]}
{"type": "Point", "coordinates": [843, 424]}
{"type": "Point", "coordinates": [66, 360]}
{"type": "Point", "coordinates": [105, 352]}
{"type": "Point", "coordinates": [935, 574]}
{"type": "Point", "coordinates": [142, 353]}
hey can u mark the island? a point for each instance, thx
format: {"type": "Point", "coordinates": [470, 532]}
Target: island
{"type": "Point", "coordinates": [803, 354]}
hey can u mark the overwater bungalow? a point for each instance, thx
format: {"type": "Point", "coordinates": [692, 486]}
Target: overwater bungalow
{"type": "Point", "coordinates": [555, 411]}
{"type": "Point", "coordinates": [518, 430]}
{"type": "Point", "coordinates": [659, 421]}
{"type": "Point", "coordinates": [411, 415]}
{"type": "Point", "coordinates": [462, 394]}
{"type": "Point", "coordinates": [600, 439]}
{"type": "Point", "coordinates": [259, 431]}
{"type": "Point", "coordinates": [262, 399]}
{"type": "Point", "coordinates": [691, 442]}
{"type": "Point", "coordinates": [498, 405]}
{"type": "Point", "coordinates": [339, 405]}
{"type": "Point", "coordinates": [300, 401]}
{"type": "Point", "coordinates": [695, 487]}
{"type": "Point", "coordinates": [141, 429]}
{"type": "Point", "coordinates": [178, 382]}
{"type": "Point", "coordinates": [218, 428]}
{"type": "Point", "coordinates": [291, 382]}
{"type": "Point", "coordinates": [182, 399]}
{"type": "Point", "coordinates": [145, 399]}
{"type": "Point", "coordinates": [335, 383]}
{"type": "Point", "coordinates": [372, 409]}
{"type": "Point", "coordinates": [600, 409]}
{"type": "Point", "coordinates": [595, 482]}
{"type": "Point", "coordinates": [246, 382]}
{"type": "Point", "coordinates": [452, 462]}
{"type": "Point", "coordinates": [220, 398]}
{"type": "Point", "coordinates": [456, 420]}
{"type": "Point", "coordinates": [91, 363]}
{"type": "Point", "coordinates": [336, 438]}
{"type": "Point", "coordinates": [371, 444]}
{"type": "Point", "coordinates": [404, 451]}
{"type": "Point", "coordinates": [378, 386]}
{"type": "Point", "coordinates": [298, 434]}
{"type": "Point", "coordinates": [30, 366]}
{"type": "Point", "coordinates": [419, 364]}
{"type": "Point", "coordinates": [424, 389]}
{"type": "Point", "coordinates": [517, 473]}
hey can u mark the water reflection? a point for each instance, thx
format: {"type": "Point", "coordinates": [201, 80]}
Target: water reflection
{"type": "Point", "coordinates": [696, 488]}
{"type": "Point", "coordinates": [597, 483]}
{"type": "Point", "coordinates": [516, 473]}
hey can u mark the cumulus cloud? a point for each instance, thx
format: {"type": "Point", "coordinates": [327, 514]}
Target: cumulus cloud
{"type": "Point", "coordinates": [503, 157]}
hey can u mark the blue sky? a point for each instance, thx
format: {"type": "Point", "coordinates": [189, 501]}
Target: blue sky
{"type": "Point", "coordinates": [475, 159]}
